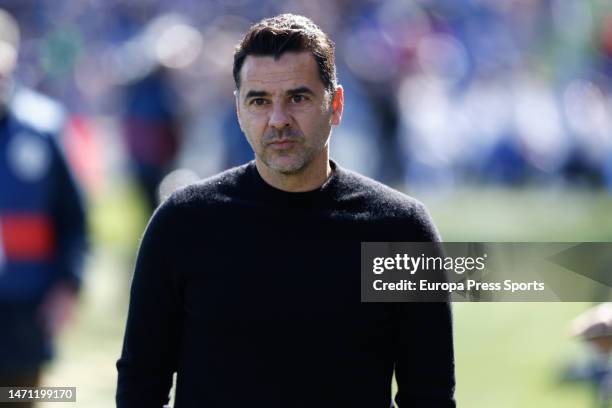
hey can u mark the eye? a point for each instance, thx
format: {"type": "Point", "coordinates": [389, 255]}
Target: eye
{"type": "Point", "coordinates": [298, 98]}
{"type": "Point", "coordinates": [258, 102]}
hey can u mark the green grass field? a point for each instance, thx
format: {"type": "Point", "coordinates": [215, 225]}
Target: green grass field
{"type": "Point", "coordinates": [511, 354]}
{"type": "Point", "coordinates": [508, 354]}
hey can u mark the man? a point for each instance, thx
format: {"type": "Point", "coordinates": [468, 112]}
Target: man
{"type": "Point", "coordinates": [42, 225]}
{"type": "Point", "coordinates": [247, 285]}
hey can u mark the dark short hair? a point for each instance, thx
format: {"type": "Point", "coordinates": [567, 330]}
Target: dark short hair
{"type": "Point", "coordinates": [288, 33]}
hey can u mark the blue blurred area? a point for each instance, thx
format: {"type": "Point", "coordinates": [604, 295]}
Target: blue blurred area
{"type": "Point", "coordinates": [440, 93]}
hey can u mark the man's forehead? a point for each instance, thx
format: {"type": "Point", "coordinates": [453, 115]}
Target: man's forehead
{"type": "Point", "coordinates": [288, 70]}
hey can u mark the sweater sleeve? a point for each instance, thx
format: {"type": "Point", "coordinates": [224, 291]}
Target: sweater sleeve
{"type": "Point", "coordinates": [424, 362]}
{"type": "Point", "coordinates": [424, 366]}
{"type": "Point", "coordinates": [151, 342]}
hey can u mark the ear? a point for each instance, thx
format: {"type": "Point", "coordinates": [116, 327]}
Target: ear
{"type": "Point", "coordinates": [237, 100]}
{"type": "Point", "coordinates": [337, 106]}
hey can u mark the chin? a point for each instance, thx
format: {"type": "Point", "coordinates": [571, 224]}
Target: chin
{"type": "Point", "coordinates": [287, 166]}
{"type": "Point", "coordinates": [288, 170]}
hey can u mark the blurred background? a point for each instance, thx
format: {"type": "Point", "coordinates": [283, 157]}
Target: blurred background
{"type": "Point", "coordinates": [497, 114]}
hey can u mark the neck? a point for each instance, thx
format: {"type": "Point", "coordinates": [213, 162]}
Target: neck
{"type": "Point", "coordinates": [311, 177]}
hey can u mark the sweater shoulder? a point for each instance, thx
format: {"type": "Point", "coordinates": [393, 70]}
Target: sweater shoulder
{"type": "Point", "coordinates": [219, 188]}
{"type": "Point", "coordinates": [383, 204]}
{"type": "Point", "coordinates": [378, 197]}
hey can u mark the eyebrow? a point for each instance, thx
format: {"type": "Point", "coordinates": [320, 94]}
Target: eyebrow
{"type": "Point", "coordinates": [256, 94]}
{"type": "Point", "coordinates": [300, 90]}
{"type": "Point", "coordinates": [296, 91]}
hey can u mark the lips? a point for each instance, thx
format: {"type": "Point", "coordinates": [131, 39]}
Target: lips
{"type": "Point", "coordinates": [282, 144]}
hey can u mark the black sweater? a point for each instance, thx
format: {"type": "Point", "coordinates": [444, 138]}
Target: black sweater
{"type": "Point", "coordinates": [252, 295]}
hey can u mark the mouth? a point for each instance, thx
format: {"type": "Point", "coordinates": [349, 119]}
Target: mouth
{"type": "Point", "coordinates": [282, 144]}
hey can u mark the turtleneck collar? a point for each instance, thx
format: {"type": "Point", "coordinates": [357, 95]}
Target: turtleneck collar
{"type": "Point", "coordinates": [274, 195]}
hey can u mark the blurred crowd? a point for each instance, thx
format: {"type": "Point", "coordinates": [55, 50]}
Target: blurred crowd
{"type": "Point", "coordinates": [439, 93]}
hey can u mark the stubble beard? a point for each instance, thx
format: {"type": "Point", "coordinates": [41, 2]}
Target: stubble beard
{"type": "Point", "coordinates": [287, 162]}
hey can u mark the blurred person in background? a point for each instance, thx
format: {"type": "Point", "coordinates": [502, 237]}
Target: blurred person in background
{"type": "Point", "coordinates": [151, 131]}
{"type": "Point", "coordinates": [594, 327]}
{"type": "Point", "coordinates": [42, 224]}
{"type": "Point", "coordinates": [245, 283]}
{"type": "Point", "coordinates": [152, 111]}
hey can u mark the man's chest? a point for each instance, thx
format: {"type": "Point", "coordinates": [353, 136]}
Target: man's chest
{"type": "Point", "coordinates": [258, 285]}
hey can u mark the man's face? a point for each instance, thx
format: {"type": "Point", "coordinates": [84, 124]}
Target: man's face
{"type": "Point", "coordinates": [285, 111]}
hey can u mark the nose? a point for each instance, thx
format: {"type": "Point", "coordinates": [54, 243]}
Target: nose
{"type": "Point", "coordinates": [279, 119]}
